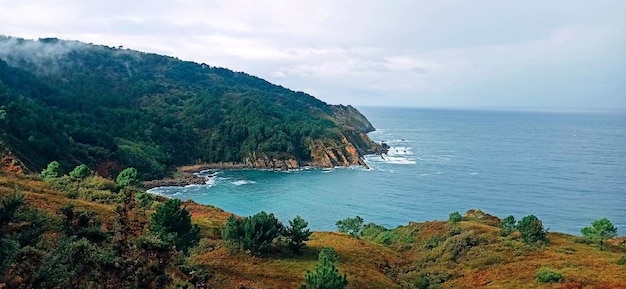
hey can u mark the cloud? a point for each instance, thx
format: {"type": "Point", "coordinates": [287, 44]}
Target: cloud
{"type": "Point", "coordinates": [405, 52]}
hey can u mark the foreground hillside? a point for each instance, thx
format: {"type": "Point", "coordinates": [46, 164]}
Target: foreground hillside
{"type": "Point", "coordinates": [109, 236]}
{"type": "Point", "coordinates": [109, 108]}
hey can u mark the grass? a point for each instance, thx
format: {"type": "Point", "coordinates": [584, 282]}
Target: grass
{"type": "Point", "coordinates": [466, 254]}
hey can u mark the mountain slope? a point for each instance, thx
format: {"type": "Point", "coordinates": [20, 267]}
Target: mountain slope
{"type": "Point", "coordinates": [109, 107]}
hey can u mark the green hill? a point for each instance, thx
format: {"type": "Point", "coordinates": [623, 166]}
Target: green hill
{"type": "Point", "coordinates": [107, 107]}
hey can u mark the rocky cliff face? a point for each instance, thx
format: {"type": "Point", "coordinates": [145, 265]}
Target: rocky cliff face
{"type": "Point", "coordinates": [328, 153]}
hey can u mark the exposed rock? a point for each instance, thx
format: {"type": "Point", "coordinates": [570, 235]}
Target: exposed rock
{"type": "Point", "coordinates": [184, 180]}
{"type": "Point", "coordinates": [10, 163]}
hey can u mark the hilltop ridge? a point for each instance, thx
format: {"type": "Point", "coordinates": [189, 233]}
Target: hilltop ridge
{"type": "Point", "coordinates": [109, 108]}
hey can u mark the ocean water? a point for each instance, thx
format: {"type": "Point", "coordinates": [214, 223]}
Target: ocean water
{"type": "Point", "coordinates": [568, 169]}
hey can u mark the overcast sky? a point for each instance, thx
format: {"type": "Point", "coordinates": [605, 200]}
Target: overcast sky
{"type": "Point", "coordinates": [563, 54]}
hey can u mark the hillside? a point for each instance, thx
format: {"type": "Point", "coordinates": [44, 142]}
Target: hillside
{"type": "Point", "coordinates": [110, 108]}
{"type": "Point", "coordinates": [111, 248]}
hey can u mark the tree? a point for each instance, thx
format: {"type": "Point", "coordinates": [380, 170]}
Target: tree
{"type": "Point", "coordinates": [144, 200]}
{"type": "Point", "coordinates": [171, 222]}
{"type": "Point", "coordinates": [255, 233]}
{"type": "Point", "coordinates": [455, 217]}
{"type": "Point", "coordinates": [352, 226]}
{"type": "Point", "coordinates": [326, 276]}
{"type": "Point", "coordinates": [128, 177]}
{"type": "Point", "coordinates": [600, 230]}
{"type": "Point", "coordinates": [80, 172]}
{"type": "Point", "coordinates": [52, 171]}
{"type": "Point", "coordinates": [507, 225]}
{"type": "Point", "coordinates": [296, 233]}
{"type": "Point", "coordinates": [531, 229]}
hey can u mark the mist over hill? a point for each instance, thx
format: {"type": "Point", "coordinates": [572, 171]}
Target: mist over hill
{"type": "Point", "coordinates": [111, 107]}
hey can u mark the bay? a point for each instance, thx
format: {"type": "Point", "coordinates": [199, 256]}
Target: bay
{"type": "Point", "coordinates": [565, 168]}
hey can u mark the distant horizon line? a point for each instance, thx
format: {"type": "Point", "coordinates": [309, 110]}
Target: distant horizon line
{"type": "Point", "coordinates": [619, 110]}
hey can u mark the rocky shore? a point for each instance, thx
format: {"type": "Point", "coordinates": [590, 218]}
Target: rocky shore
{"type": "Point", "coordinates": [184, 180]}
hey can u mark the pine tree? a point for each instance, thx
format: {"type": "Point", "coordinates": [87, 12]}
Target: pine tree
{"type": "Point", "coordinates": [326, 276]}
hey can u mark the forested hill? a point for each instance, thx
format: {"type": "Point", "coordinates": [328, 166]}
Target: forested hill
{"type": "Point", "coordinates": [108, 107]}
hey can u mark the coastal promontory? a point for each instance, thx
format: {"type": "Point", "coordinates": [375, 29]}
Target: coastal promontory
{"type": "Point", "coordinates": [110, 108]}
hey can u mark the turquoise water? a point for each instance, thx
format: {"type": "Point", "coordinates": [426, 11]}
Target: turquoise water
{"type": "Point", "coordinates": [565, 168]}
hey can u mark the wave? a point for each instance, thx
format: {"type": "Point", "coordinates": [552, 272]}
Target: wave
{"type": "Point", "coordinates": [400, 151]}
{"type": "Point", "coordinates": [242, 182]}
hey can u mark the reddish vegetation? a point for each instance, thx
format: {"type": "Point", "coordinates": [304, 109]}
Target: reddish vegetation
{"type": "Point", "coordinates": [468, 254]}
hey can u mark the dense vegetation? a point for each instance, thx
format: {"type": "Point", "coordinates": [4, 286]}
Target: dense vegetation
{"type": "Point", "coordinates": [110, 108]}
{"type": "Point", "coordinates": [83, 231]}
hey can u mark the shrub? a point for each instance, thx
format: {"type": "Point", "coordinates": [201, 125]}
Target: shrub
{"type": "Point", "coordinates": [621, 261]}
{"type": "Point", "coordinates": [329, 253]}
{"type": "Point", "coordinates": [128, 177]}
{"type": "Point", "coordinates": [80, 172]}
{"type": "Point", "coordinates": [548, 275]}
{"type": "Point", "coordinates": [100, 183]}
{"type": "Point", "coordinates": [352, 226]}
{"type": "Point", "coordinates": [458, 245]}
{"type": "Point", "coordinates": [371, 231]}
{"type": "Point", "coordinates": [52, 171]}
{"type": "Point", "coordinates": [455, 217]}
{"type": "Point", "coordinates": [531, 230]}
{"type": "Point", "coordinates": [507, 226]}
{"type": "Point", "coordinates": [326, 276]}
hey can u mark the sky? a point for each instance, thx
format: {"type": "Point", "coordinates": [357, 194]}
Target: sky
{"type": "Point", "coordinates": [558, 54]}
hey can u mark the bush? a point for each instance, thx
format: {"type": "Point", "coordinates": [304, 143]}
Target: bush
{"type": "Point", "coordinates": [329, 253]}
{"type": "Point", "coordinates": [352, 226]}
{"type": "Point", "coordinates": [455, 217]}
{"type": "Point", "coordinates": [128, 177]}
{"type": "Point", "coordinates": [531, 230]}
{"type": "Point", "coordinates": [548, 275]}
{"type": "Point", "coordinates": [507, 226]}
{"type": "Point", "coordinates": [80, 172]}
{"type": "Point", "coordinates": [326, 276]}
{"type": "Point", "coordinates": [52, 171]}
{"type": "Point", "coordinates": [621, 261]}
{"type": "Point", "coordinates": [100, 183]}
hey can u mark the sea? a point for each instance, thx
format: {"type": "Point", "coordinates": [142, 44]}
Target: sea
{"type": "Point", "coordinates": [566, 168]}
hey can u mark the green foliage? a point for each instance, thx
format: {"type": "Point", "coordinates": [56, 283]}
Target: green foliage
{"type": "Point", "coordinates": [601, 229]}
{"type": "Point", "coordinates": [621, 261]}
{"type": "Point", "coordinates": [455, 217]}
{"type": "Point", "coordinates": [326, 276]}
{"type": "Point", "coordinates": [548, 275]}
{"type": "Point", "coordinates": [80, 172]}
{"type": "Point", "coordinates": [128, 177]}
{"type": "Point", "coordinates": [329, 253]}
{"type": "Point", "coordinates": [531, 230]}
{"type": "Point", "coordinates": [352, 226]}
{"type": "Point", "coordinates": [507, 226]}
{"type": "Point", "coordinates": [83, 224]}
{"type": "Point", "coordinates": [52, 171]}
{"type": "Point", "coordinates": [255, 233]}
{"type": "Point", "coordinates": [173, 222]}
{"type": "Point", "coordinates": [297, 234]}
{"type": "Point", "coordinates": [153, 112]}
{"type": "Point", "coordinates": [144, 200]}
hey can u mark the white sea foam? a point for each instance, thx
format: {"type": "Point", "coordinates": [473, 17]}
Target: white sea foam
{"type": "Point", "coordinates": [242, 182]}
{"type": "Point", "coordinates": [399, 160]}
{"type": "Point", "coordinates": [400, 150]}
